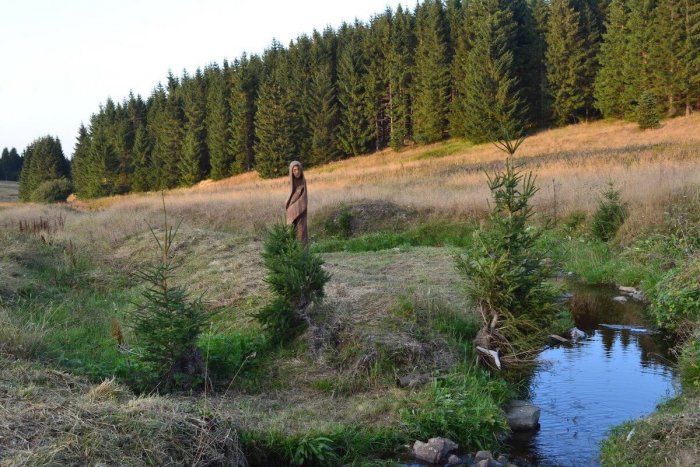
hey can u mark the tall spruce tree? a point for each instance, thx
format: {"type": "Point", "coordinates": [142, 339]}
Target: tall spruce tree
{"type": "Point", "coordinates": [377, 46]}
{"type": "Point", "coordinates": [218, 122]}
{"type": "Point", "coordinates": [143, 178]}
{"type": "Point", "coordinates": [324, 120]}
{"type": "Point", "coordinates": [610, 81]}
{"type": "Point", "coordinates": [354, 132]}
{"type": "Point", "coordinates": [103, 164]}
{"type": "Point", "coordinates": [3, 162]}
{"type": "Point", "coordinates": [80, 162]}
{"type": "Point", "coordinates": [194, 161]}
{"type": "Point", "coordinates": [299, 65]}
{"type": "Point", "coordinates": [322, 112]}
{"type": "Point", "coordinates": [275, 121]}
{"type": "Point", "coordinates": [566, 62]}
{"type": "Point", "coordinates": [431, 91]}
{"type": "Point", "coordinates": [43, 161]}
{"type": "Point", "coordinates": [244, 83]}
{"type": "Point", "coordinates": [400, 72]}
{"type": "Point", "coordinates": [166, 130]}
{"type": "Point", "coordinates": [528, 56]}
{"type": "Point", "coordinates": [488, 104]}
{"type": "Point", "coordinates": [690, 53]}
{"type": "Point", "coordinates": [637, 67]}
{"type": "Point", "coordinates": [540, 105]}
{"type": "Point", "coordinates": [10, 165]}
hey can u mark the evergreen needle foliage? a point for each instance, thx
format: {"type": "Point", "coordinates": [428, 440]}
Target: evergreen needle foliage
{"type": "Point", "coordinates": [505, 272]}
{"type": "Point", "coordinates": [610, 215]}
{"type": "Point", "coordinates": [647, 112]}
{"type": "Point", "coordinates": [295, 277]}
{"type": "Point", "coordinates": [166, 320]}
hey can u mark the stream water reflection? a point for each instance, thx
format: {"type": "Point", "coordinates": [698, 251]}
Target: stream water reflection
{"type": "Point", "coordinates": [621, 371]}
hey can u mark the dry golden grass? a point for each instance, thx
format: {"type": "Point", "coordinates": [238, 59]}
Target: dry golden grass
{"type": "Point", "coordinates": [8, 193]}
{"type": "Point", "coordinates": [48, 417]}
{"type": "Point", "coordinates": [573, 164]}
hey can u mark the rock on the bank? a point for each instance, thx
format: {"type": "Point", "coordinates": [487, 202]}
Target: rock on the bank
{"type": "Point", "coordinates": [434, 450]}
{"type": "Point", "coordinates": [522, 415]}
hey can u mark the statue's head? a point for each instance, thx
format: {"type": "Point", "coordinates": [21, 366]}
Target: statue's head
{"type": "Point", "coordinates": [295, 169]}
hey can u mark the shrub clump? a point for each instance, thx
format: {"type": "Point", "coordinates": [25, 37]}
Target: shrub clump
{"type": "Point", "coordinates": [296, 279]}
{"type": "Point", "coordinates": [52, 191]}
{"type": "Point", "coordinates": [675, 302]}
{"type": "Point", "coordinates": [167, 322]}
{"type": "Point", "coordinates": [610, 215]}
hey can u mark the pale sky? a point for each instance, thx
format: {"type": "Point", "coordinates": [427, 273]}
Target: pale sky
{"type": "Point", "coordinates": [60, 59]}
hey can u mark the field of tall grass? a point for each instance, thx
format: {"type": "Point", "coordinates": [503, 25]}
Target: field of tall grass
{"type": "Point", "coordinates": [387, 226]}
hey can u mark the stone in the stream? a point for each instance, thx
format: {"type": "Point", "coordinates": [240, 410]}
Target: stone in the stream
{"type": "Point", "coordinates": [522, 415]}
{"type": "Point", "coordinates": [483, 455]}
{"type": "Point", "coordinates": [576, 334]}
{"type": "Point", "coordinates": [620, 299]}
{"type": "Point", "coordinates": [454, 460]}
{"type": "Point", "coordinates": [488, 463]}
{"type": "Point", "coordinates": [503, 459]}
{"type": "Point", "coordinates": [635, 294]}
{"type": "Point", "coordinates": [434, 450]}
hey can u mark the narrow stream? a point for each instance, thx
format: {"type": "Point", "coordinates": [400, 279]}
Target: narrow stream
{"type": "Point", "coordinates": [619, 372]}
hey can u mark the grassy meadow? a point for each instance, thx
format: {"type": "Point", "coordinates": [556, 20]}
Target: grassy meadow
{"type": "Point", "coordinates": [8, 193]}
{"type": "Point", "coordinates": [387, 225]}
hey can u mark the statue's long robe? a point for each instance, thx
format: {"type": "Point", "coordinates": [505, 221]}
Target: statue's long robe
{"type": "Point", "coordinates": [297, 207]}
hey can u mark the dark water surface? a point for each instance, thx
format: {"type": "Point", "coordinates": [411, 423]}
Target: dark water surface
{"type": "Point", "coordinates": [620, 372]}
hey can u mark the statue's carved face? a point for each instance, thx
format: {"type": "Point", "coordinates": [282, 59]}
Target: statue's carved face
{"type": "Point", "coordinates": [296, 171]}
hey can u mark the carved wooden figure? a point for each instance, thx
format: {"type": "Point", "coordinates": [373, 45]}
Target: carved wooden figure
{"type": "Point", "coordinates": [297, 202]}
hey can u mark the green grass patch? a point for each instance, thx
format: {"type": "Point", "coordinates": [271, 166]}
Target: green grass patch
{"type": "Point", "coordinates": [670, 436]}
{"type": "Point", "coordinates": [349, 444]}
{"type": "Point", "coordinates": [453, 146]}
{"type": "Point", "coordinates": [464, 406]}
{"type": "Point", "coordinates": [436, 233]}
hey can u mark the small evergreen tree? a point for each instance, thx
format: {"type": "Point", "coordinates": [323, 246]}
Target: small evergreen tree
{"type": "Point", "coordinates": [610, 215]}
{"type": "Point", "coordinates": [296, 279]}
{"type": "Point", "coordinates": [167, 321]}
{"type": "Point", "coordinates": [505, 275]}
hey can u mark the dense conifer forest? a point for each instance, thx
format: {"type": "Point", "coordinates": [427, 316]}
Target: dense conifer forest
{"type": "Point", "coordinates": [454, 68]}
{"type": "Point", "coordinates": [10, 165]}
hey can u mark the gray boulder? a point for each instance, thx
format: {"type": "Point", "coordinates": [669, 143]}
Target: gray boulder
{"type": "Point", "coordinates": [620, 299]}
{"type": "Point", "coordinates": [435, 450]}
{"type": "Point", "coordinates": [522, 415]}
{"type": "Point", "coordinates": [483, 455]}
{"type": "Point", "coordinates": [635, 294]}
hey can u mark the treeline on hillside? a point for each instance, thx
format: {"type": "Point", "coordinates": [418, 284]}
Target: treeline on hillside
{"type": "Point", "coordinates": [465, 68]}
{"type": "Point", "coordinates": [10, 165]}
{"type": "Point", "coordinates": [45, 173]}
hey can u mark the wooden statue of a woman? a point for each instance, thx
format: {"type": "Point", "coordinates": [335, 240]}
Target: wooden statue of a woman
{"type": "Point", "coordinates": [297, 202]}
